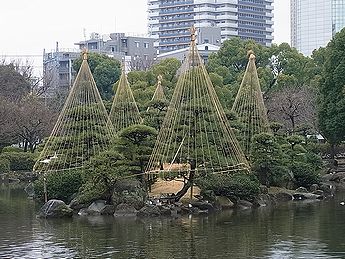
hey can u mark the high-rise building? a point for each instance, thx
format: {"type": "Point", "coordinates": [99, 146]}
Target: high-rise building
{"type": "Point", "coordinates": [170, 20]}
{"type": "Point", "coordinates": [314, 23]}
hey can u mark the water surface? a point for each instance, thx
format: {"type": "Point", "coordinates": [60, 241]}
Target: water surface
{"type": "Point", "coordinates": [294, 230]}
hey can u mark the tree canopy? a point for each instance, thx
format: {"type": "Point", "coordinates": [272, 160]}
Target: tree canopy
{"type": "Point", "coordinates": [106, 71]}
{"type": "Point", "coordinates": [331, 90]}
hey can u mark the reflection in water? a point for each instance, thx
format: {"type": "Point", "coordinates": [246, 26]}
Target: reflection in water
{"type": "Point", "coordinates": [295, 230]}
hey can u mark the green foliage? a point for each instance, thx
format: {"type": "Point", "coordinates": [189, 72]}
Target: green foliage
{"type": "Point", "coordinates": [106, 71]}
{"type": "Point", "coordinates": [267, 160]}
{"type": "Point", "coordinates": [239, 185]}
{"type": "Point", "coordinates": [4, 165]}
{"type": "Point", "coordinates": [20, 161]}
{"type": "Point", "coordinates": [305, 174]}
{"type": "Point", "coordinates": [155, 113]}
{"type": "Point", "coordinates": [61, 185]}
{"type": "Point", "coordinates": [331, 91]}
{"type": "Point", "coordinates": [216, 79]}
{"type": "Point", "coordinates": [135, 143]}
{"type": "Point", "coordinates": [11, 149]}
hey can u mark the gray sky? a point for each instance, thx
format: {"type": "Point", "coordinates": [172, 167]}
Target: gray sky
{"type": "Point", "coordinates": [29, 26]}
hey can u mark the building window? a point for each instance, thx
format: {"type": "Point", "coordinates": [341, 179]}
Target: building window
{"type": "Point", "coordinates": [124, 43]}
{"type": "Point", "coordinates": [137, 44]}
{"type": "Point", "coordinates": [146, 45]}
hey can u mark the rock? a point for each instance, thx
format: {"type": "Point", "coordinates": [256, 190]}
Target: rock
{"type": "Point", "coordinates": [107, 210]}
{"type": "Point", "coordinates": [313, 187]}
{"type": "Point", "coordinates": [174, 212]}
{"type": "Point", "coordinates": [318, 192]}
{"type": "Point", "coordinates": [125, 210]}
{"type": "Point", "coordinates": [328, 189]}
{"type": "Point", "coordinates": [224, 202]}
{"type": "Point", "coordinates": [83, 212]}
{"type": "Point", "coordinates": [301, 190]}
{"type": "Point", "coordinates": [243, 204]}
{"type": "Point", "coordinates": [263, 200]}
{"type": "Point", "coordinates": [76, 205]}
{"type": "Point", "coordinates": [96, 207]}
{"type": "Point", "coordinates": [263, 189]}
{"type": "Point", "coordinates": [337, 177]}
{"type": "Point", "coordinates": [283, 196]}
{"type": "Point", "coordinates": [309, 196]}
{"type": "Point", "coordinates": [149, 211]}
{"type": "Point", "coordinates": [55, 209]}
{"type": "Point", "coordinates": [203, 205]}
{"type": "Point", "coordinates": [327, 177]}
{"type": "Point", "coordinates": [165, 210]}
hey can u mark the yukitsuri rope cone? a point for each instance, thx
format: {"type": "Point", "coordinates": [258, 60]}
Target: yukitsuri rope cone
{"type": "Point", "coordinates": [83, 128]}
{"type": "Point", "coordinates": [159, 93]}
{"type": "Point", "coordinates": [195, 135]}
{"type": "Point", "coordinates": [124, 111]}
{"type": "Point", "coordinates": [249, 106]}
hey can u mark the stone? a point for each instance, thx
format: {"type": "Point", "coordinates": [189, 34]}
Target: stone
{"type": "Point", "coordinates": [243, 204]}
{"type": "Point", "coordinates": [327, 177]}
{"type": "Point", "coordinates": [96, 207]}
{"type": "Point", "coordinates": [107, 210]}
{"type": "Point", "coordinates": [263, 189]}
{"type": "Point", "coordinates": [83, 212]}
{"type": "Point", "coordinates": [301, 190]}
{"type": "Point", "coordinates": [327, 189]}
{"type": "Point", "coordinates": [283, 196]}
{"type": "Point", "coordinates": [224, 202]}
{"type": "Point", "coordinates": [165, 210]}
{"type": "Point", "coordinates": [202, 205]}
{"type": "Point", "coordinates": [318, 192]}
{"type": "Point", "coordinates": [337, 177]}
{"type": "Point", "coordinates": [263, 200]}
{"type": "Point", "coordinates": [149, 211]}
{"type": "Point", "coordinates": [125, 210]}
{"type": "Point", "coordinates": [313, 187]}
{"type": "Point", "coordinates": [76, 205]}
{"type": "Point", "coordinates": [55, 209]}
{"type": "Point", "coordinates": [305, 196]}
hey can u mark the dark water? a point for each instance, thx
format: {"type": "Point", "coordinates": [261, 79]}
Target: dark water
{"type": "Point", "coordinates": [295, 230]}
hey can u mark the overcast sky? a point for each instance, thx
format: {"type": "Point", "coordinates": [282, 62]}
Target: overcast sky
{"type": "Point", "coordinates": [29, 26]}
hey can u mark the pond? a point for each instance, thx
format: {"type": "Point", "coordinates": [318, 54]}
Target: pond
{"type": "Point", "coordinates": [292, 230]}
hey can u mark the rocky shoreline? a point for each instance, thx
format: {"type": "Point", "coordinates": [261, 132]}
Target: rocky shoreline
{"type": "Point", "coordinates": [127, 203]}
{"type": "Point", "coordinates": [156, 207]}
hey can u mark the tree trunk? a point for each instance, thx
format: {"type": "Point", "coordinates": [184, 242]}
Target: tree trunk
{"type": "Point", "coordinates": [185, 187]}
{"type": "Point", "coordinates": [25, 146]}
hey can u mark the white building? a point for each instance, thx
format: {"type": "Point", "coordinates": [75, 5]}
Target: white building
{"type": "Point", "coordinates": [314, 23]}
{"type": "Point", "coordinates": [170, 20]}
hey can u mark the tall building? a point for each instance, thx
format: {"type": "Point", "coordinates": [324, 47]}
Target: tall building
{"type": "Point", "coordinates": [314, 23]}
{"type": "Point", "coordinates": [170, 20]}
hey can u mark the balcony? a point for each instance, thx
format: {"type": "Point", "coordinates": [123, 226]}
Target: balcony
{"type": "Point", "coordinates": [176, 3]}
{"type": "Point", "coordinates": [170, 12]}
{"type": "Point", "coordinates": [227, 9]}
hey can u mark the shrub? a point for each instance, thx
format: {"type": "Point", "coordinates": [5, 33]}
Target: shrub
{"type": "Point", "coordinates": [305, 175]}
{"type": "Point", "coordinates": [11, 149]}
{"type": "Point", "coordinates": [4, 165]}
{"type": "Point", "coordinates": [61, 185]}
{"type": "Point", "coordinates": [20, 161]}
{"type": "Point", "coordinates": [237, 185]}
